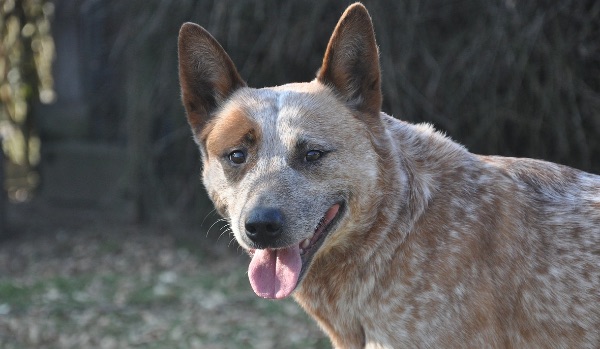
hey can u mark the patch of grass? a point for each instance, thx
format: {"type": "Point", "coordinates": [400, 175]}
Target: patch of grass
{"type": "Point", "coordinates": [59, 292]}
{"type": "Point", "coordinates": [109, 247]}
{"type": "Point", "coordinates": [154, 295]}
{"type": "Point", "coordinates": [18, 296]}
{"type": "Point", "coordinates": [69, 285]}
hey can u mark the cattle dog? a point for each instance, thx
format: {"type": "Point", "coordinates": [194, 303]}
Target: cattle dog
{"type": "Point", "coordinates": [390, 234]}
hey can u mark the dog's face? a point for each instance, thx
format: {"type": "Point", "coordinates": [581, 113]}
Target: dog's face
{"type": "Point", "coordinates": [285, 164]}
{"type": "Point", "coordinates": [277, 164]}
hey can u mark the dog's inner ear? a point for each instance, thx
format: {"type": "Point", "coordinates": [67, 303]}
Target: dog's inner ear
{"type": "Point", "coordinates": [206, 74]}
{"type": "Point", "coordinates": [351, 62]}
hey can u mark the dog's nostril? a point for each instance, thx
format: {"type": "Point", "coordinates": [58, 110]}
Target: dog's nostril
{"type": "Point", "coordinates": [264, 225]}
{"type": "Point", "coordinates": [250, 228]}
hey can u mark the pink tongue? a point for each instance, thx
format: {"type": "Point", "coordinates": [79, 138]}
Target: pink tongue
{"type": "Point", "coordinates": [274, 273]}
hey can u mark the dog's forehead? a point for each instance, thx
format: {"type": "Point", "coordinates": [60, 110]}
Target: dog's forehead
{"type": "Point", "coordinates": [285, 111]}
{"type": "Point", "coordinates": [282, 103]}
{"type": "Point", "coordinates": [278, 115]}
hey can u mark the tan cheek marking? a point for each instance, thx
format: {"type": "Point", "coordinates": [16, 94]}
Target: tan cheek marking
{"type": "Point", "coordinates": [230, 130]}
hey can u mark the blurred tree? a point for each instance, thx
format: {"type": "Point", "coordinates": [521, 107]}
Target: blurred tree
{"type": "Point", "coordinates": [26, 53]}
{"type": "Point", "coordinates": [2, 196]}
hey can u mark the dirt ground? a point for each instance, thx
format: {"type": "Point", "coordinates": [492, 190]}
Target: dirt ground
{"type": "Point", "coordinates": [74, 277]}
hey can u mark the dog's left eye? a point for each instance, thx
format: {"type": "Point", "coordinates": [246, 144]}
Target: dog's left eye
{"type": "Point", "coordinates": [313, 155]}
{"type": "Point", "coordinates": [237, 157]}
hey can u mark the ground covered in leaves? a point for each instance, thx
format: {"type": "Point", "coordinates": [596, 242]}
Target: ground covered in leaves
{"type": "Point", "coordinates": [77, 279]}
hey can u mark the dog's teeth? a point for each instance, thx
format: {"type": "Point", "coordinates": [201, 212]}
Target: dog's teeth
{"type": "Point", "coordinates": [305, 243]}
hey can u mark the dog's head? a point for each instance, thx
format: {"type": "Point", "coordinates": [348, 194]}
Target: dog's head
{"type": "Point", "coordinates": [288, 165]}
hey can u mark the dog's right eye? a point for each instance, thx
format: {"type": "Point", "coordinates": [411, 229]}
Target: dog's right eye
{"type": "Point", "coordinates": [313, 155]}
{"type": "Point", "coordinates": [237, 157]}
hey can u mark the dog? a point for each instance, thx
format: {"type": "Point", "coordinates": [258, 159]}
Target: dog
{"type": "Point", "coordinates": [390, 234]}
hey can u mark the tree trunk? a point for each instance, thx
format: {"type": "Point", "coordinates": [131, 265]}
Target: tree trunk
{"type": "Point", "coordinates": [3, 205]}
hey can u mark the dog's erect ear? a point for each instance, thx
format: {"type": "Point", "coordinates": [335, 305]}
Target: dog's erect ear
{"type": "Point", "coordinates": [206, 74]}
{"type": "Point", "coordinates": [351, 62]}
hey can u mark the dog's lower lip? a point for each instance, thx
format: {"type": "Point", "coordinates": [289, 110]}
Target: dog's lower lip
{"type": "Point", "coordinates": [318, 239]}
{"type": "Point", "coordinates": [308, 244]}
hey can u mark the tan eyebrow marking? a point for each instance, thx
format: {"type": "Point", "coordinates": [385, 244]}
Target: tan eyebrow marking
{"type": "Point", "coordinates": [230, 130]}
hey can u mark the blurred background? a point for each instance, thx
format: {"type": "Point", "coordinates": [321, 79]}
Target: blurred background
{"type": "Point", "coordinates": [107, 235]}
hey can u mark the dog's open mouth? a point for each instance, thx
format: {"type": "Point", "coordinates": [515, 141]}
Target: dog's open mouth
{"type": "Point", "coordinates": [275, 273]}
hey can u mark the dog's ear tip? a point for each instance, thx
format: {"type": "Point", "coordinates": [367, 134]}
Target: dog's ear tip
{"type": "Point", "coordinates": [357, 6]}
{"type": "Point", "coordinates": [357, 10]}
{"type": "Point", "coordinates": [189, 29]}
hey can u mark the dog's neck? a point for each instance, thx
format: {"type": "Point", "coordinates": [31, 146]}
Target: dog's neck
{"type": "Point", "coordinates": [408, 181]}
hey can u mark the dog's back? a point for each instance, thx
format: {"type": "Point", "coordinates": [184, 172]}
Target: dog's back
{"type": "Point", "coordinates": [552, 269]}
{"type": "Point", "coordinates": [512, 246]}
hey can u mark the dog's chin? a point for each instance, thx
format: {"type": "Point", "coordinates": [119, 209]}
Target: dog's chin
{"type": "Point", "coordinates": [277, 272]}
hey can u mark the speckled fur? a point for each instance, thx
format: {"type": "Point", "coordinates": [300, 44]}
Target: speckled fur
{"type": "Point", "coordinates": [438, 247]}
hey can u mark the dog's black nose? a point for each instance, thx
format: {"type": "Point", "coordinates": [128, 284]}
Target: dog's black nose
{"type": "Point", "coordinates": [264, 225]}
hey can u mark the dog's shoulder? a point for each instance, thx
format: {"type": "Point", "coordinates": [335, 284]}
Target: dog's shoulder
{"type": "Point", "coordinates": [547, 179]}
{"type": "Point", "coordinates": [543, 187]}
{"type": "Point", "coordinates": [422, 141]}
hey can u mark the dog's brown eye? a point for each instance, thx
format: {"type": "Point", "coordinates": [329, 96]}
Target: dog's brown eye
{"type": "Point", "coordinates": [313, 155]}
{"type": "Point", "coordinates": [237, 157]}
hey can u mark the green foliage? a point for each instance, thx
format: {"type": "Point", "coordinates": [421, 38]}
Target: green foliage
{"type": "Point", "coordinates": [26, 54]}
{"type": "Point", "coordinates": [17, 296]}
